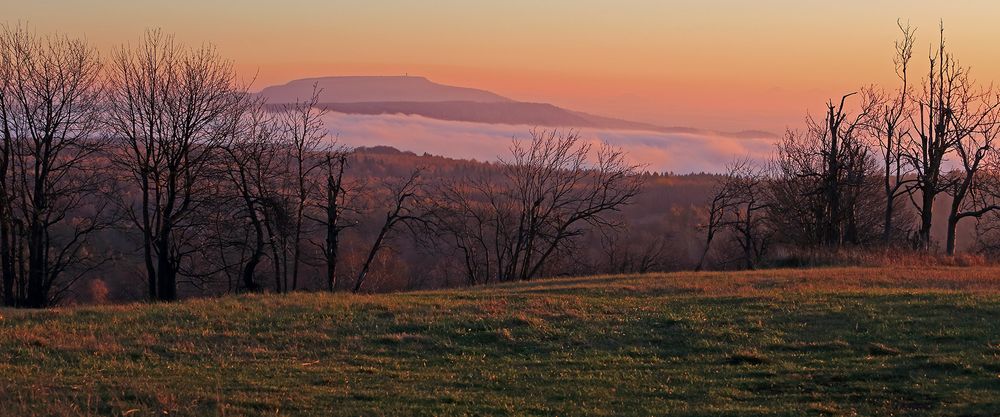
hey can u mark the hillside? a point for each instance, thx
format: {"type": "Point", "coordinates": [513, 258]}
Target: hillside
{"type": "Point", "coordinates": [771, 343]}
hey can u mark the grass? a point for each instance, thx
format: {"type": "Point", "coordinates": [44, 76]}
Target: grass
{"type": "Point", "coordinates": [822, 342]}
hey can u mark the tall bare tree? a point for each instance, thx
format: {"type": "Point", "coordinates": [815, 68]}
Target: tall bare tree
{"type": "Point", "coordinates": [887, 126]}
{"type": "Point", "coordinates": [51, 171]}
{"type": "Point", "coordinates": [170, 108]}
{"type": "Point", "coordinates": [306, 136]}
{"type": "Point", "coordinates": [334, 209]}
{"type": "Point", "coordinates": [943, 119]}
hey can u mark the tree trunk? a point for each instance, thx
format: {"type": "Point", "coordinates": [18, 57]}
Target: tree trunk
{"type": "Point", "coordinates": [6, 261]}
{"type": "Point", "coordinates": [887, 225]}
{"type": "Point", "coordinates": [147, 240]}
{"type": "Point", "coordinates": [333, 190]}
{"type": "Point", "coordinates": [952, 238]}
{"type": "Point", "coordinates": [167, 276]}
{"type": "Point", "coordinates": [926, 220]}
{"type": "Point", "coordinates": [371, 256]}
{"type": "Point", "coordinates": [250, 269]}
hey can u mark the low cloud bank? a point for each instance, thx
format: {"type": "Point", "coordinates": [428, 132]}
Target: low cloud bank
{"type": "Point", "coordinates": [680, 153]}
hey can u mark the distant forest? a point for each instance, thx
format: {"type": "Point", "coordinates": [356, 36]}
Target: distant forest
{"type": "Point", "coordinates": [153, 174]}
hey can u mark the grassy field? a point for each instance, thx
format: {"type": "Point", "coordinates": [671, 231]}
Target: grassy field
{"type": "Point", "coordinates": [838, 342]}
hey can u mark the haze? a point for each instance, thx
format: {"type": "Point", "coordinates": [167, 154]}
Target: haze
{"type": "Point", "coordinates": [725, 65]}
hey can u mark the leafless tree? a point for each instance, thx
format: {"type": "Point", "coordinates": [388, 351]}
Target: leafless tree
{"type": "Point", "coordinates": [170, 109]}
{"type": "Point", "coordinates": [255, 169]}
{"type": "Point", "coordinates": [740, 209]}
{"type": "Point", "coordinates": [627, 250]}
{"type": "Point", "coordinates": [969, 190]}
{"type": "Point", "coordinates": [948, 112]}
{"type": "Point", "coordinates": [508, 223]}
{"type": "Point", "coordinates": [405, 210]}
{"type": "Point", "coordinates": [335, 206]}
{"type": "Point", "coordinates": [987, 195]}
{"type": "Point", "coordinates": [823, 174]}
{"type": "Point", "coordinates": [723, 200]}
{"type": "Point", "coordinates": [51, 165]}
{"type": "Point", "coordinates": [887, 126]}
{"type": "Point", "coordinates": [306, 136]}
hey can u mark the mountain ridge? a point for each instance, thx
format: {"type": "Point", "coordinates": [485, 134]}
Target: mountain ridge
{"type": "Point", "coordinates": [354, 89]}
{"type": "Point", "coordinates": [416, 95]}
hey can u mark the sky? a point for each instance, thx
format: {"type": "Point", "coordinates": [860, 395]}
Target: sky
{"type": "Point", "coordinates": [712, 64]}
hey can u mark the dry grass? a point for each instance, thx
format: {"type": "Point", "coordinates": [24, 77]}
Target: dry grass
{"type": "Point", "coordinates": [921, 341]}
{"type": "Point", "coordinates": [878, 257]}
{"type": "Point", "coordinates": [779, 282]}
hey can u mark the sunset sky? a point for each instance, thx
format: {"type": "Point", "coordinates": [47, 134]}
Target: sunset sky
{"type": "Point", "coordinates": [726, 65]}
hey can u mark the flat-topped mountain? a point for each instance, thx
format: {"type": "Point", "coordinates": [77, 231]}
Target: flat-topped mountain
{"type": "Point", "coordinates": [365, 89]}
{"type": "Point", "coordinates": [418, 96]}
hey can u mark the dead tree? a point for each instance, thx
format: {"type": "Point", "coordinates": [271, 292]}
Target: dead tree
{"type": "Point", "coordinates": [51, 165]}
{"type": "Point", "coordinates": [170, 109]}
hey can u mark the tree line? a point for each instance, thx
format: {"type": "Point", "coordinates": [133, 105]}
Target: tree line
{"type": "Point", "coordinates": [215, 190]}
{"type": "Point", "coordinates": [872, 170]}
{"type": "Point", "coordinates": [162, 143]}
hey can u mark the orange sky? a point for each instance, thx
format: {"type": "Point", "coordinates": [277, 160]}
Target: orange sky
{"type": "Point", "coordinates": [727, 65]}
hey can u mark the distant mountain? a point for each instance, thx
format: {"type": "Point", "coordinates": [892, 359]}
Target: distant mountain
{"type": "Point", "coordinates": [422, 97]}
{"type": "Point", "coordinates": [376, 89]}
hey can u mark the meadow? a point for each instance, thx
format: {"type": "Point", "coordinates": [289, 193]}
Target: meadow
{"type": "Point", "coordinates": [824, 342]}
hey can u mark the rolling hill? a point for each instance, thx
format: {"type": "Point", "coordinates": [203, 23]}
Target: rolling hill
{"type": "Point", "coordinates": [847, 341]}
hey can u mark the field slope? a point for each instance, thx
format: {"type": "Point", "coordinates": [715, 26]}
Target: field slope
{"type": "Point", "coordinates": [772, 343]}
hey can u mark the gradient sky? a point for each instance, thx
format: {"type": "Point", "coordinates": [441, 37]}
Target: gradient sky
{"type": "Point", "coordinates": [726, 65]}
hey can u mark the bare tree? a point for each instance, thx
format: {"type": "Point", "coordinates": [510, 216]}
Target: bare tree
{"type": "Point", "coordinates": [723, 200]}
{"type": "Point", "coordinates": [738, 209]}
{"type": "Point", "coordinates": [170, 108]}
{"type": "Point", "coordinates": [944, 118]}
{"type": "Point", "coordinates": [404, 210]}
{"type": "Point", "coordinates": [975, 149]}
{"type": "Point", "coordinates": [334, 207]}
{"type": "Point", "coordinates": [306, 135]}
{"type": "Point", "coordinates": [986, 195]}
{"type": "Point", "coordinates": [255, 170]}
{"type": "Point", "coordinates": [823, 174]}
{"type": "Point", "coordinates": [51, 169]}
{"type": "Point", "coordinates": [628, 250]}
{"type": "Point", "coordinates": [508, 223]}
{"type": "Point", "coordinates": [886, 125]}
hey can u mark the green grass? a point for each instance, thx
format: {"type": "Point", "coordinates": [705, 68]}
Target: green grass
{"type": "Point", "coordinates": [837, 342]}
